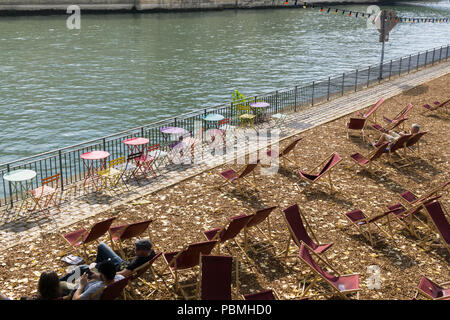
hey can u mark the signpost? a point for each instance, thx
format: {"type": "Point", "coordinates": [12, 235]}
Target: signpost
{"type": "Point", "coordinates": [385, 22]}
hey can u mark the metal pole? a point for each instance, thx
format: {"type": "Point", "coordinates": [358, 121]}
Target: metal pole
{"type": "Point", "coordinates": [356, 80]}
{"type": "Point", "coordinates": [328, 94]}
{"type": "Point", "coordinates": [418, 59]}
{"type": "Point", "coordinates": [10, 189]}
{"type": "Point", "coordinates": [368, 77]}
{"type": "Point", "coordinates": [409, 63]}
{"type": "Point", "coordinates": [400, 68]}
{"type": "Point", "coordinates": [426, 58]}
{"type": "Point", "coordinates": [295, 99]}
{"type": "Point", "coordinates": [343, 77]}
{"type": "Point", "coordinates": [61, 170]}
{"type": "Point", "coordinates": [434, 51]}
{"type": "Point", "coordinates": [312, 95]}
{"type": "Point", "coordinates": [383, 34]}
{"type": "Point", "coordinates": [390, 69]}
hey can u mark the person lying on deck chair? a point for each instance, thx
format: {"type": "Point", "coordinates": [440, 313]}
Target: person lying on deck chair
{"type": "Point", "coordinates": [394, 135]}
{"type": "Point", "coordinates": [143, 251]}
{"type": "Point", "coordinates": [91, 290]}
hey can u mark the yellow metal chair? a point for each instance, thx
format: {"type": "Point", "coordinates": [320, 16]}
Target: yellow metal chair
{"type": "Point", "coordinates": [112, 176]}
{"type": "Point", "coordinates": [246, 116]}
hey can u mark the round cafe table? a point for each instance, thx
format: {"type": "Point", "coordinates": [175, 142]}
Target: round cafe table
{"type": "Point", "coordinates": [89, 159]}
{"type": "Point", "coordinates": [259, 107]}
{"type": "Point", "coordinates": [18, 180]}
{"type": "Point", "coordinates": [136, 145]}
{"type": "Point", "coordinates": [174, 132]}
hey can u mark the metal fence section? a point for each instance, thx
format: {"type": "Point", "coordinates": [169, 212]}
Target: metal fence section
{"type": "Point", "coordinates": [69, 165]}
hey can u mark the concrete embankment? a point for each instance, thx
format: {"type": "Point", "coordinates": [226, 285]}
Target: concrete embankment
{"type": "Point", "coordinates": [60, 6]}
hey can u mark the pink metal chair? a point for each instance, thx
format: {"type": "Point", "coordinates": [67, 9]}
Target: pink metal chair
{"type": "Point", "coordinates": [216, 279]}
{"type": "Point", "coordinates": [432, 290]}
{"type": "Point", "coordinates": [83, 236]}
{"type": "Point", "coordinates": [294, 220]}
{"type": "Point", "coordinates": [146, 161]}
{"type": "Point", "coordinates": [45, 194]}
{"type": "Point", "coordinates": [342, 284]}
{"type": "Point", "coordinates": [333, 160]}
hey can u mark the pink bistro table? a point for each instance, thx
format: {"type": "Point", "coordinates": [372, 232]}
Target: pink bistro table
{"type": "Point", "coordinates": [89, 159]}
{"type": "Point", "coordinates": [174, 132]}
{"type": "Point", "coordinates": [136, 145]}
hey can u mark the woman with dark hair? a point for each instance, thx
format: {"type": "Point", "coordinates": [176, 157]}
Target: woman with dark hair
{"type": "Point", "coordinates": [48, 287]}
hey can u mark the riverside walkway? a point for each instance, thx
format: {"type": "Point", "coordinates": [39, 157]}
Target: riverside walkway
{"type": "Point", "coordinates": [77, 206]}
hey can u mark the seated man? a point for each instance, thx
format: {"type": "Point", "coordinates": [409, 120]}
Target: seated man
{"type": "Point", "coordinates": [394, 135]}
{"type": "Point", "coordinates": [143, 251]}
{"type": "Point", "coordinates": [92, 290]}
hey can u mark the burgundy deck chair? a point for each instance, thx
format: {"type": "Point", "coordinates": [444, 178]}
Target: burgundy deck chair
{"type": "Point", "coordinates": [128, 231]}
{"type": "Point", "coordinates": [398, 144]}
{"type": "Point", "coordinates": [333, 160]}
{"type": "Point", "coordinates": [235, 225]}
{"type": "Point", "coordinates": [369, 160]}
{"type": "Point", "coordinates": [186, 260]}
{"type": "Point", "coordinates": [415, 139]}
{"type": "Point", "coordinates": [299, 233]}
{"type": "Point", "coordinates": [257, 218]}
{"type": "Point", "coordinates": [411, 199]}
{"type": "Point", "coordinates": [343, 284]}
{"type": "Point", "coordinates": [438, 214]}
{"type": "Point", "coordinates": [389, 127]}
{"type": "Point", "coordinates": [285, 152]}
{"type": "Point", "coordinates": [437, 106]}
{"type": "Point", "coordinates": [231, 176]}
{"type": "Point", "coordinates": [216, 277]}
{"type": "Point", "coordinates": [401, 115]}
{"type": "Point", "coordinates": [432, 290]}
{"type": "Point", "coordinates": [371, 110]}
{"type": "Point", "coordinates": [360, 219]}
{"type": "Point", "coordinates": [139, 272]}
{"type": "Point", "coordinates": [83, 236]}
{"type": "Point", "coordinates": [262, 295]}
{"type": "Point", "coordinates": [356, 124]}
{"type": "Point", "coordinates": [114, 291]}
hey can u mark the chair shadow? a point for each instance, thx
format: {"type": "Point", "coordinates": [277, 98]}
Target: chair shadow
{"type": "Point", "coordinates": [387, 182]}
{"type": "Point", "coordinates": [249, 198]}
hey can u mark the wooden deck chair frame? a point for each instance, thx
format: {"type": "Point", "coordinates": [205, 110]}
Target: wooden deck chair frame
{"type": "Point", "coordinates": [290, 148]}
{"type": "Point", "coordinates": [391, 126]}
{"type": "Point", "coordinates": [330, 181]}
{"type": "Point", "coordinates": [435, 227]}
{"type": "Point", "coordinates": [424, 294]}
{"type": "Point", "coordinates": [424, 197]}
{"type": "Point", "coordinates": [399, 144]}
{"type": "Point", "coordinates": [347, 122]}
{"type": "Point", "coordinates": [408, 146]}
{"type": "Point", "coordinates": [373, 220]}
{"type": "Point", "coordinates": [101, 290]}
{"type": "Point", "coordinates": [136, 276]}
{"type": "Point", "coordinates": [49, 197]}
{"type": "Point", "coordinates": [120, 241]}
{"type": "Point", "coordinates": [401, 115]}
{"type": "Point", "coordinates": [293, 237]}
{"type": "Point", "coordinates": [371, 162]}
{"type": "Point", "coordinates": [438, 107]}
{"type": "Point", "coordinates": [238, 180]}
{"type": "Point", "coordinates": [372, 110]}
{"type": "Point", "coordinates": [198, 291]}
{"type": "Point", "coordinates": [318, 276]}
{"type": "Point", "coordinates": [267, 236]}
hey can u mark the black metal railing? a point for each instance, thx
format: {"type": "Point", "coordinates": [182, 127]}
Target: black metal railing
{"type": "Point", "coordinates": [69, 165]}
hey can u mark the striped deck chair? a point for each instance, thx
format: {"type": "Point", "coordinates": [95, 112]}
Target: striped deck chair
{"type": "Point", "coordinates": [372, 110]}
{"type": "Point", "coordinates": [369, 160]}
{"type": "Point", "coordinates": [437, 106]}
{"type": "Point", "coordinates": [432, 290]}
{"type": "Point", "coordinates": [342, 284]}
{"type": "Point", "coordinates": [438, 216]}
{"type": "Point", "coordinates": [330, 162]}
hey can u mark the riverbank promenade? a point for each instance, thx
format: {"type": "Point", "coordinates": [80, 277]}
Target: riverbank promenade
{"type": "Point", "coordinates": [185, 201]}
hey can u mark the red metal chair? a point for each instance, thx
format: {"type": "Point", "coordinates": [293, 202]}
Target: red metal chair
{"type": "Point", "coordinates": [333, 160]}
{"type": "Point", "coordinates": [146, 161]}
{"type": "Point", "coordinates": [298, 232]}
{"type": "Point", "coordinates": [432, 290]}
{"type": "Point", "coordinates": [342, 284]}
{"type": "Point", "coordinates": [128, 231]}
{"type": "Point", "coordinates": [83, 236]}
{"type": "Point", "coordinates": [216, 279]}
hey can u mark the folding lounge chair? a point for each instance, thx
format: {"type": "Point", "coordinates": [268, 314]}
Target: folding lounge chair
{"type": "Point", "coordinates": [437, 106]}
{"type": "Point", "coordinates": [401, 115]}
{"type": "Point", "coordinates": [398, 144]}
{"type": "Point", "coordinates": [369, 160]}
{"type": "Point", "coordinates": [371, 110]}
{"type": "Point", "coordinates": [356, 124]}
{"type": "Point", "coordinates": [286, 151]}
{"type": "Point", "coordinates": [410, 199]}
{"type": "Point", "coordinates": [432, 290]}
{"type": "Point", "coordinates": [343, 284]}
{"type": "Point", "coordinates": [83, 236]}
{"type": "Point", "coordinates": [257, 218]}
{"type": "Point", "coordinates": [415, 139]}
{"type": "Point", "coordinates": [216, 278]}
{"type": "Point", "coordinates": [437, 215]}
{"type": "Point", "coordinates": [181, 262]}
{"type": "Point", "coordinates": [333, 160]}
{"type": "Point", "coordinates": [45, 194]}
{"type": "Point", "coordinates": [294, 220]}
{"type": "Point", "coordinates": [127, 231]}
{"type": "Point", "coordinates": [138, 273]}
{"type": "Point", "coordinates": [262, 295]}
{"type": "Point", "coordinates": [230, 231]}
{"type": "Point", "coordinates": [389, 127]}
{"type": "Point", "coordinates": [232, 176]}
{"type": "Point", "coordinates": [359, 219]}
{"type": "Point", "coordinates": [114, 291]}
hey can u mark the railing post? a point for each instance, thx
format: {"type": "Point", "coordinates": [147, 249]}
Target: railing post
{"type": "Point", "coordinates": [104, 144]}
{"type": "Point", "coordinates": [356, 80]}
{"type": "Point", "coordinates": [432, 61]}
{"type": "Point", "coordinates": [368, 77]}
{"type": "Point", "coordinates": [400, 68]}
{"type": "Point", "coordinates": [61, 170]}
{"type": "Point", "coordinates": [446, 55]}
{"type": "Point", "coordinates": [409, 63]}
{"type": "Point", "coordinates": [342, 89]}
{"type": "Point", "coordinates": [295, 99]}
{"type": "Point", "coordinates": [426, 58]}
{"type": "Point", "coordinates": [312, 95]}
{"type": "Point", "coordinates": [390, 70]}
{"type": "Point", "coordinates": [175, 120]}
{"type": "Point", "coordinates": [142, 132]}
{"type": "Point", "coordinates": [10, 188]}
{"type": "Point", "coordinates": [328, 94]}
{"type": "Point", "coordinates": [418, 59]}
{"type": "Point", "coordinates": [276, 101]}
